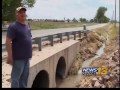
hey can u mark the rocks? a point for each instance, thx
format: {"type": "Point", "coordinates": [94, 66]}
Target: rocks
{"type": "Point", "coordinates": [115, 58]}
{"type": "Point", "coordinates": [106, 77]}
{"type": "Point", "coordinates": [110, 60]}
{"type": "Point", "coordinates": [117, 52]}
{"type": "Point", "coordinates": [101, 80]}
{"type": "Point", "coordinates": [97, 84]}
{"type": "Point", "coordinates": [95, 35]}
{"type": "Point", "coordinates": [91, 50]}
{"type": "Point", "coordinates": [90, 45]}
{"type": "Point", "coordinates": [111, 75]}
{"type": "Point", "coordinates": [94, 79]}
{"type": "Point", "coordinates": [88, 48]}
{"type": "Point", "coordinates": [118, 72]}
{"type": "Point", "coordinates": [105, 81]}
{"type": "Point", "coordinates": [87, 51]}
{"type": "Point", "coordinates": [113, 64]}
{"type": "Point", "coordinates": [103, 86]}
{"type": "Point", "coordinates": [109, 84]}
{"type": "Point", "coordinates": [94, 46]}
{"type": "Point", "coordinates": [102, 39]}
{"type": "Point", "coordinates": [99, 44]}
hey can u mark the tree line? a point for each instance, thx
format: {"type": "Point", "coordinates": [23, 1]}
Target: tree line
{"type": "Point", "coordinates": [9, 6]}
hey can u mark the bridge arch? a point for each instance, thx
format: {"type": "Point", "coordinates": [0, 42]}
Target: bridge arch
{"type": "Point", "coordinates": [60, 70]}
{"type": "Point", "coordinates": [41, 80]}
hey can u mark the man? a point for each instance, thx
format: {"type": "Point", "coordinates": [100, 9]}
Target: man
{"type": "Point", "coordinates": [19, 49]}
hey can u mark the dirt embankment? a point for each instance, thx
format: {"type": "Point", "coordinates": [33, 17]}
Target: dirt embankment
{"type": "Point", "coordinates": [104, 81]}
{"type": "Point", "coordinates": [88, 48]}
{"type": "Point", "coordinates": [109, 59]}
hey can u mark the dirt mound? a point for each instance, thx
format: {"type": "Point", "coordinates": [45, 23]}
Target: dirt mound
{"type": "Point", "coordinates": [104, 81]}
{"type": "Point", "coordinates": [90, 45]}
{"type": "Point", "coordinates": [88, 48]}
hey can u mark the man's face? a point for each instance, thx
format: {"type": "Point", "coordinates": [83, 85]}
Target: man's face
{"type": "Point", "coordinates": [21, 15]}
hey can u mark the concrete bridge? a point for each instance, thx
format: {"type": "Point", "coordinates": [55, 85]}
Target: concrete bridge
{"type": "Point", "coordinates": [51, 64]}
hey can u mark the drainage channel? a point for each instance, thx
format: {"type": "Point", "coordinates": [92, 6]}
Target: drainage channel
{"type": "Point", "coordinates": [72, 80]}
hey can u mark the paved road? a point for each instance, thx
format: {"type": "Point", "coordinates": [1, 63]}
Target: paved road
{"type": "Point", "coordinates": [38, 33]}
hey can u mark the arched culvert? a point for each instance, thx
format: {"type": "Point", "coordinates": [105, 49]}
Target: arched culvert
{"type": "Point", "coordinates": [41, 80]}
{"type": "Point", "coordinates": [60, 70]}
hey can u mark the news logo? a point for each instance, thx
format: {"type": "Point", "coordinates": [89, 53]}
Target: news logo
{"type": "Point", "coordinates": [95, 71]}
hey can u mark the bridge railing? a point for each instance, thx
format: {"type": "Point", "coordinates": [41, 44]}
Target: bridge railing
{"type": "Point", "coordinates": [4, 29]}
{"type": "Point", "coordinates": [51, 38]}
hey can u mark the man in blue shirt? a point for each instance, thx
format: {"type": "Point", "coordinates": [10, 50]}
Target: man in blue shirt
{"type": "Point", "coordinates": [19, 49]}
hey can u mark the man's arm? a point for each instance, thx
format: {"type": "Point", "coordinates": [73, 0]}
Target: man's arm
{"type": "Point", "coordinates": [9, 50]}
{"type": "Point", "coordinates": [10, 36]}
{"type": "Point", "coordinates": [30, 28]}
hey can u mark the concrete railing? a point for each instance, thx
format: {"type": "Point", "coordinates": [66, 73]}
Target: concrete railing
{"type": "Point", "coordinates": [51, 38]}
{"type": "Point", "coordinates": [4, 29]}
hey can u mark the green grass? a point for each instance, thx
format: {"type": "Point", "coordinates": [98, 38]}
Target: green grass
{"type": "Point", "coordinates": [57, 25]}
{"type": "Point", "coordinates": [35, 27]}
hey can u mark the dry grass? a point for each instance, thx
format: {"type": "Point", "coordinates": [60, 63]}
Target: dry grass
{"type": "Point", "coordinates": [111, 47]}
{"type": "Point", "coordinates": [52, 25]}
{"type": "Point", "coordinates": [103, 31]}
{"type": "Point", "coordinates": [114, 33]}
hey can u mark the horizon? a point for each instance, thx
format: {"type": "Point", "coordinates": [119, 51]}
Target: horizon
{"type": "Point", "coordinates": [60, 9]}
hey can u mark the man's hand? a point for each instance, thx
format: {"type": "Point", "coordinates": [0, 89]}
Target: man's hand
{"type": "Point", "coordinates": [9, 60]}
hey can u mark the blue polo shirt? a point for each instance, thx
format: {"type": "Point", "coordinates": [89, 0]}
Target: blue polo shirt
{"type": "Point", "coordinates": [21, 40]}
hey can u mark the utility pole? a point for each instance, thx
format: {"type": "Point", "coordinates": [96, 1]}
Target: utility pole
{"type": "Point", "coordinates": [115, 13]}
{"type": "Point", "coordinates": [112, 18]}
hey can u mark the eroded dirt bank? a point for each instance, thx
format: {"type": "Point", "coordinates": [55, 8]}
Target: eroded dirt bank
{"type": "Point", "coordinates": [89, 47]}
{"type": "Point", "coordinates": [109, 59]}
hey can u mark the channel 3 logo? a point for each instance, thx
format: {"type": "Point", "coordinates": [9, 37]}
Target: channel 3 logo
{"type": "Point", "coordinates": [95, 71]}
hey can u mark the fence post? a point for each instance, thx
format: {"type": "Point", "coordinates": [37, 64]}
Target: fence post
{"type": "Point", "coordinates": [84, 27]}
{"type": "Point", "coordinates": [85, 33]}
{"type": "Point", "coordinates": [68, 37]}
{"type": "Point", "coordinates": [40, 44]}
{"type": "Point", "coordinates": [79, 32]}
{"type": "Point", "coordinates": [74, 33]}
{"type": "Point", "coordinates": [60, 35]}
{"type": "Point", "coordinates": [51, 39]}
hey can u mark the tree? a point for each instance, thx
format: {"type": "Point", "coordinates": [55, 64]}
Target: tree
{"type": "Point", "coordinates": [92, 20]}
{"type": "Point", "coordinates": [68, 20]}
{"type": "Point", "coordinates": [9, 7]}
{"type": "Point", "coordinates": [74, 20]}
{"type": "Point", "coordinates": [100, 16]}
{"type": "Point", "coordinates": [29, 19]}
{"type": "Point", "coordinates": [82, 20]}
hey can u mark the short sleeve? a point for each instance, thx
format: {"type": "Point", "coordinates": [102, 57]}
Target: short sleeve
{"type": "Point", "coordinates": [30, 33]}
{"type": "Point", "coordinates": [30, 29]}
{"type": "Point", "coordinates": [11, 32]}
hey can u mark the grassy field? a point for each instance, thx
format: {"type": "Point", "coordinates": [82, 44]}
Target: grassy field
{"type": "Point", "coordinates": [110, 31]}
{"type": "Point", "coordinates": [52, 25]}
{"type": "Point", "coordinates": [114, 33]}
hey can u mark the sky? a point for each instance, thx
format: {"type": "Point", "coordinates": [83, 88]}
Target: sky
{"type": "Point", "coordinates": [58, 9]}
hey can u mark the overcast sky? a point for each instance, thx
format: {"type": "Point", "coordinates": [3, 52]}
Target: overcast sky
{"type": "Point", "coordinates": [58, 9]}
